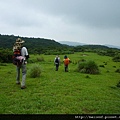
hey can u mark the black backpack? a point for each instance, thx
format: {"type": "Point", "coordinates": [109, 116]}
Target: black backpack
{"type": "Point", "coordinates": [56, 60]}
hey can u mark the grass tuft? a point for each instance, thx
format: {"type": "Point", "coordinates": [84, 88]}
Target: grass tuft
{"type": "Point", "coordinates": [35, 71]}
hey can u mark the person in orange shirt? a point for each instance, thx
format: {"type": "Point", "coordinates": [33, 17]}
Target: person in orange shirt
{"type": "Point", "coordinates": [66, 61]}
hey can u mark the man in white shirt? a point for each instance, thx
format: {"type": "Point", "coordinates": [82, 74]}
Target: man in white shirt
{"type": "Point", "coordinates": [57, 62]}
{"type": "Point", "coordinates": [24, 53]}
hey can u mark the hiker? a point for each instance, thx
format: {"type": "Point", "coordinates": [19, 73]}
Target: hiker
{"type": "Point", "coordinates": [22, 58]}
{"type": "Point", "coordinates": [57, 62]}
{"type": "Point", "coordinates": [66, 61]}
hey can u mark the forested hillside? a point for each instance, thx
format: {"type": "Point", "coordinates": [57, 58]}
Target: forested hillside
{"type": "Point", "coordinates": [48, 47]}
{"type": "Point", "coordinates": [7, 41]}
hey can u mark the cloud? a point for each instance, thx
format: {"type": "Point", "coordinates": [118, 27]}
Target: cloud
{"type": "Point", "coordinates": [89, 21]}
{"type": "Point", "coordinates": [93, 13]}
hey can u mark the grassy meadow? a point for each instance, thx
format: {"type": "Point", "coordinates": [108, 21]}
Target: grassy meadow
{"type": "Point", "coordinates": [59, 92]}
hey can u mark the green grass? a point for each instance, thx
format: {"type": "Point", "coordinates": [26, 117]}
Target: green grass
{"type": "Point", "coordinates": [59, 92]}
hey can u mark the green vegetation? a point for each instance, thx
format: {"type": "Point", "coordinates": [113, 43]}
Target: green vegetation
{"type": "Point", "coordinates": [34, 45]}
{"type": "Point", "coordinates": [118, 84]}
{"type": "Point", "coordinates": [118, 70]}
{"type": "Point", "coordinates": [58, 92]}
{"type": "Point", "coordinates": [116, 58]}
{"type": "Point", "coordinates": [5, 55]}
{"type": "Point", "coordinates": [89, 67]}
{"type": "Point", "coordinates": [51, 47]}
{"type": "Point", "coordinates": [35, 71]}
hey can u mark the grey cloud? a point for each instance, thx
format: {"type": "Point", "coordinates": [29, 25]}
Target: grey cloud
{"type": "Point", "coordinates": [93, 13]}
{"type": "Point", "coordinates": [18, 16]}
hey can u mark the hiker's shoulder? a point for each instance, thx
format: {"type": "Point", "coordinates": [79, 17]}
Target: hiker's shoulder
{"type": "Point", "coordinates": [24, 48]}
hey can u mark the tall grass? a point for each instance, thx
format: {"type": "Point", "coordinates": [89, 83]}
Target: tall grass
{"type": "Point", "coordinates": [35, 71]}
{"type": "Point", "coordinates": [89, 67]}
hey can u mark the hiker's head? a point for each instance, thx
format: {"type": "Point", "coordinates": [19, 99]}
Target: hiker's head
{"type": "Point", "coordinates": [65, 56]}
{"type": "Point", "coordinates": [57, 56]}
{"type": "Point", "coordinates": [19, 40]}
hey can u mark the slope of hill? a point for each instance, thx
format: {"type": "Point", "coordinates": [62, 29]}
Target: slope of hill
{"type": "Point", "coordinates": [112, 46]}
{"type": "Point", "coordinates": [82, 44]}
{"type": "Point", "coordinates": [7, 41]}
{"type": "Point", "coordinates": [42, 45]}
{"type": "Point", "coordinates": [71, 43]}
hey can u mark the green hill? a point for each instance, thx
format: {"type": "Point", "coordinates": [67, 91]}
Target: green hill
{"type": "Point", "coordinates": [7, 41]}
{"type": "Point", "coordinates": [48, 46]}
{"type": "Point", "coordinates": [34, 44]}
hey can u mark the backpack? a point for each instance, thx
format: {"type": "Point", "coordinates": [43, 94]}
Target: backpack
{"type": "Point", "coordinates": [56, 60]}
{"type": "Point", "coordinates": [66, 61]}
{"type": "Point", "coordinates": [17, 58]}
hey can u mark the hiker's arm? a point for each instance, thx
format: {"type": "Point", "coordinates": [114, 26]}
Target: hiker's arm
{"type": "Point", "coordinates": [26, 53]}
{"type": "Point", "coordinates": [27, 56]}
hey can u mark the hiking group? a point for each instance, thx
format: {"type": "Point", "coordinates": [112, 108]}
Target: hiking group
{"type": "Point", "coordinates": [20, 56]}
{"type": "Point", "coordinates": [66, 62]}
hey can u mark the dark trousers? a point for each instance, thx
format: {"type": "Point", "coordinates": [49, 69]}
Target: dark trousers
{"type": "Point", "coordinates": [57, 66]}
{"type": "Point", "coordinates": [66, 68]}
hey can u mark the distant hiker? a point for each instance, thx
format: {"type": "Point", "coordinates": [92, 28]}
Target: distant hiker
{"type": "Point", "coordinates": [57, 62]}
{"type": "Point", "coordinates": [66, 61]}
{"type": "Point", "coordinates": [20, 60]}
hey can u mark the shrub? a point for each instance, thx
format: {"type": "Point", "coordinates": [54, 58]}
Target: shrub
{"type": "Point", "coordinates": [118, 84]}
{"type": "Point", "coordinates": [5, 56]}
{"type": "Point", "coordinates": [116, 58]}
{"type": "Point", "coordinates": [40, 59]}
{"type": "Point", "coordinates": [82, 60]}
{"type": "Point", "coordinates": [35, 71]}
{"type": "Point", "coordinates": [87, 76]}
{"type": "Point", "coordinates": [105, 63]}
{"type": "Point", "coordinates": [34, 60]}
{"type": "Point", "coordinates": [118, 70]}
{"type": "Point", "coordinates": [101, 66]}
{"type": "Point", "coordinates": [88, 67]}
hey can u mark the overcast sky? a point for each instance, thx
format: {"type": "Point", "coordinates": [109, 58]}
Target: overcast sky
{"type": "Point", "coordinates": [84, 21]}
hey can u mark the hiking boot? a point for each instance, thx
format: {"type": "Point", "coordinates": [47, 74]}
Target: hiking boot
{"type": "Point", "coordinates": [23, 87]}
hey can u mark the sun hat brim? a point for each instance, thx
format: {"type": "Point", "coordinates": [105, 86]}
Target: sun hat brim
{"type": "Point", "coordinates": [19, 40]}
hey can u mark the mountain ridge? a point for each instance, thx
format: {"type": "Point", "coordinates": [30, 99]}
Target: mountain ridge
{"type": "Point", "coordinates": [81, 44]}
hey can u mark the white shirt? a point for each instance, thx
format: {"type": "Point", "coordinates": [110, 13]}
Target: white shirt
{"type": "Point", "coordinates": [24, 51]}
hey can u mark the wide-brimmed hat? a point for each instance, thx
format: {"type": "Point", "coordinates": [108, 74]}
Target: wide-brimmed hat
{"type": "Point", "coordinates": [19, 40]}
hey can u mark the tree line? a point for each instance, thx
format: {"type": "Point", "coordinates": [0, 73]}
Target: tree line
{"type": "Point", "coordinates": [48, 47]}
